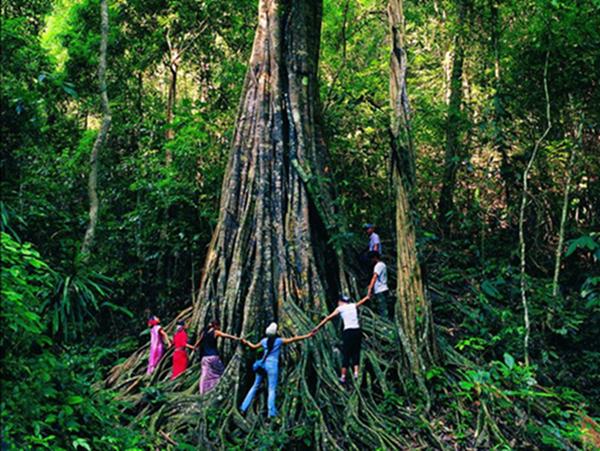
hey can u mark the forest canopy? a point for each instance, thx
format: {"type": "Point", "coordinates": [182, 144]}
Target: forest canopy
{"type": "Point", "coordinates": [210, 160]}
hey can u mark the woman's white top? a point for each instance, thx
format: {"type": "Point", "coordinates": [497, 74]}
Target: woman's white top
{"type": "Point", "coordinates": [349, 314]}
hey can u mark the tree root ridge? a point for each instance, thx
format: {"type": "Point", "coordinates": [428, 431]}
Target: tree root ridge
{"type": "Point", "coordinates": [381, 410]}
{"type": "Point", "coordinates": [315, 410]}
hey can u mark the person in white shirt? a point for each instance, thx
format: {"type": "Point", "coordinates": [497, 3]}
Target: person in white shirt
{"type": "Point", "coordinates": [378, 286]}
{"type": "Point", "coordinates": [352, 335]}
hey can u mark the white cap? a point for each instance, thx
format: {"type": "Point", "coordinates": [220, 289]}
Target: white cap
{"type": "Point", "coordinates": [272, 329]}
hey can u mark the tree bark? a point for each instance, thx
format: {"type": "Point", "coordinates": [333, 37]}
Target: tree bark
{"type": "Point", "coordinates": [171, 99]}
{"type": "Point", "coordinates": [400, 129]}
{"type": "Point", "coordinates": [261, 253]}
{"type": "Point", "coordinates": [416, 325]}
{"type": "Point", "coordinates": [452, 156]}
{"type": "Point", "coordinates": [173, 66]}
{"type": "Point", "coordinates": [506, 172]}
{"type": "Point", "coordinates": [101, 138]}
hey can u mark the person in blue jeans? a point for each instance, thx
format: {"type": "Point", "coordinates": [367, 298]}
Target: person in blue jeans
{"type": "Point", "coordinates": [272, 345]}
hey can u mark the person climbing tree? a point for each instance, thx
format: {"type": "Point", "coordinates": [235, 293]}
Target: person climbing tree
{"type": "Point", "coordinates": [351, 336]}
{"type": "Point", "coordinates": [378, 286]}
{"type": "Point", "coordinates": [374, 240]}
{"type": "Point", "coordinates": [268, 366]}
{"type": "Point", "coordinates": [212, 367]}
{"type": "Point", "coordinates": [157, 339]}
{"type": "Point", "coordinates": [374, 245]}
{"type": "Point", "coordinates": [180, 357]}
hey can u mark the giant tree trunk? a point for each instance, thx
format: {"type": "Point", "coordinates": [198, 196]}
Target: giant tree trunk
{"type": "Point", "coordinates": [264, 253]}
{"type": "Point", "coordinates": [416, 326]}
{"type": "Point", "coordinates": [269, 259]}
{"type": "Point", "coordinates": [452, 157]}
{"type": "Point", "coordinates": [88, 239]}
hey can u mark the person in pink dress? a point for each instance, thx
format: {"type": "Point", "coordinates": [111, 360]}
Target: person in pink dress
{"type": "Point", "coordinates": [158, 337]}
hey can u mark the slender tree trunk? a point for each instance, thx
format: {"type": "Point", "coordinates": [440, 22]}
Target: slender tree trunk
{"type": "Point", "coordinates": [205, 78]}
{"type": "Point", "coordinates": [162, 268]}
{"type": "Point", "coordinates": [88, 238]}
{"type": "Point", "coordinates": [565, 209]}
{"type": "Point", "coordinates": [401, 135]}
{"type": "Point", "coordinates": [171, 99]}
{"type": "Point", "coordinates": [524, 195]}
{"type": "Point", "coordinates": [452, 158]}
{"type": "Point", "coordinates": [506, 171]}
{"type": "Point", "coordinates": [173, 66]}
{"type": "Point", "coordinates": [415, 317]}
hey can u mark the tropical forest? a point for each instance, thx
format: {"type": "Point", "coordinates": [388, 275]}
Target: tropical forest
{"type": "Point", "coordinates": [300, 225]}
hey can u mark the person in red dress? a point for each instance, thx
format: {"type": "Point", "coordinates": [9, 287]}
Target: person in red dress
{"type": "Point", "coordinates": [180, 357]}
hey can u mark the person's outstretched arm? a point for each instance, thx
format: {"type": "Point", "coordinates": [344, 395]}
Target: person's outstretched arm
{"type": "Point", "coordinates": [372, 284]}
{"type": "Point", "coordinates": [287, 341]}
{"type": "Point", "coordinates": [199, 340]}
{"type": "Point", "coordinates": [218, 333]}
{"type": "Point", "coordinates": [363, 300]}
{"type": "Point", "coordinates": [326, 319]}
{"type": "Point", "coordinates": [251, 345]}
{"type": "Point", "coordinates": [189, 346]}
{"type": "Point", "coordinates": [166, 338]}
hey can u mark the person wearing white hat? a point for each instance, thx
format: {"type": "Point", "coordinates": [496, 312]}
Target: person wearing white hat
{"type": "Point", "coordinates": [268, 366]}
{"type": "Point", "coordinates": [351, 336]}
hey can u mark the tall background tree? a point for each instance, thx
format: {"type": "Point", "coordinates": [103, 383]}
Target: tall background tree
{"type": "Point", "coordinates": [416, 332]}
{"type": "Point", "coordinates": [100, 140]}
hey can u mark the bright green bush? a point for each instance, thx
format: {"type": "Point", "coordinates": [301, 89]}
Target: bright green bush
{"type": "Point", "coordinates": [48, 399]}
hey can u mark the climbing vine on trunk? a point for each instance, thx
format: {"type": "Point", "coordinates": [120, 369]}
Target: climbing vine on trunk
{"type": "Point", "coordinates": [88, 238]}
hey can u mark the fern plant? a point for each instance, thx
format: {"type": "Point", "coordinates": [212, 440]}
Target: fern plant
{"type": "Point", "coordinates": [76, 298]}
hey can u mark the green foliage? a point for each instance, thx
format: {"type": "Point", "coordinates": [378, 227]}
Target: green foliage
{"type": "Point", "coordinates": [25, 280]}
{"type": "Point", "coordinates": [50, 403]}
{"type": "Point", "coordinates": [586, 242]}
{"type": "Point", "coordinates": [75, 299]}
{"type": "Point", "coordinates": [504, 384]}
